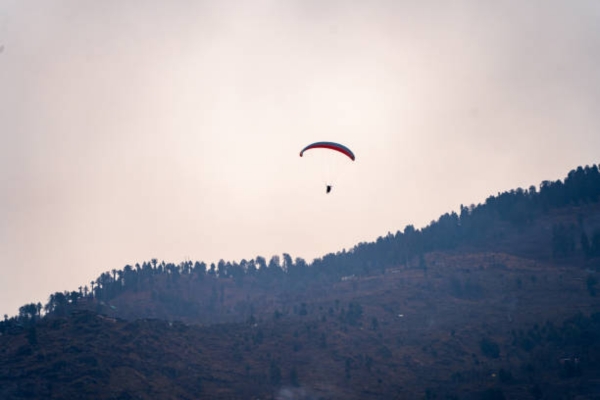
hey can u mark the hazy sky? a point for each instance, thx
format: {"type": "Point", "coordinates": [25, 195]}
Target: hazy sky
{"type": "Point", "coordinates": [132, 130]}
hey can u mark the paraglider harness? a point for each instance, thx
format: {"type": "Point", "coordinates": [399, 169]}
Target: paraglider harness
{"type": "Point", "coordinates": [328, 189]}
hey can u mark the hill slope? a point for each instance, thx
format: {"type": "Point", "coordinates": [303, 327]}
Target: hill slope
{"type": "Point", "coordinates": [497, 302]}
{"type": "Point", "coordinates": [470, 326]}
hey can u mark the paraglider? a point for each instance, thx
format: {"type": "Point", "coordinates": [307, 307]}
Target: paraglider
{"type": "Point", "coordinates": [334, 147]}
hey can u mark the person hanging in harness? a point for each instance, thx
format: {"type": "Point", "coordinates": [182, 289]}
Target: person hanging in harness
{"type": "Point", "coordinates": [329, 187]}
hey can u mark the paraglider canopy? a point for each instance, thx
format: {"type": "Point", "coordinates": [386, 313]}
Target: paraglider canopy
{"type": "Point", "coordinates": [330, 145]}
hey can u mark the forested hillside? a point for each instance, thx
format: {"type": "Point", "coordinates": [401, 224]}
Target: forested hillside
{"type": "Point", "coordinates": [497, 301]}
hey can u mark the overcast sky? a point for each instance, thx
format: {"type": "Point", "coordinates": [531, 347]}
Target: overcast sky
{"type": "Point", "coordinates": [132, 130]}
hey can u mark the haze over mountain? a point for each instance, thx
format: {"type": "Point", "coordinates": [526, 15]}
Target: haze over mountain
{"type": "Point", "coordinates": [172, 130]}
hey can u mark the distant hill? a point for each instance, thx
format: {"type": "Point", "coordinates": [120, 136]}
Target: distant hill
{"type": "Point", "coordinates": [499, 301]}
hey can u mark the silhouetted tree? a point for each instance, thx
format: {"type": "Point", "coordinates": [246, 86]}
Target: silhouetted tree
{"type": "Point", "coordinates": [199, 269]}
